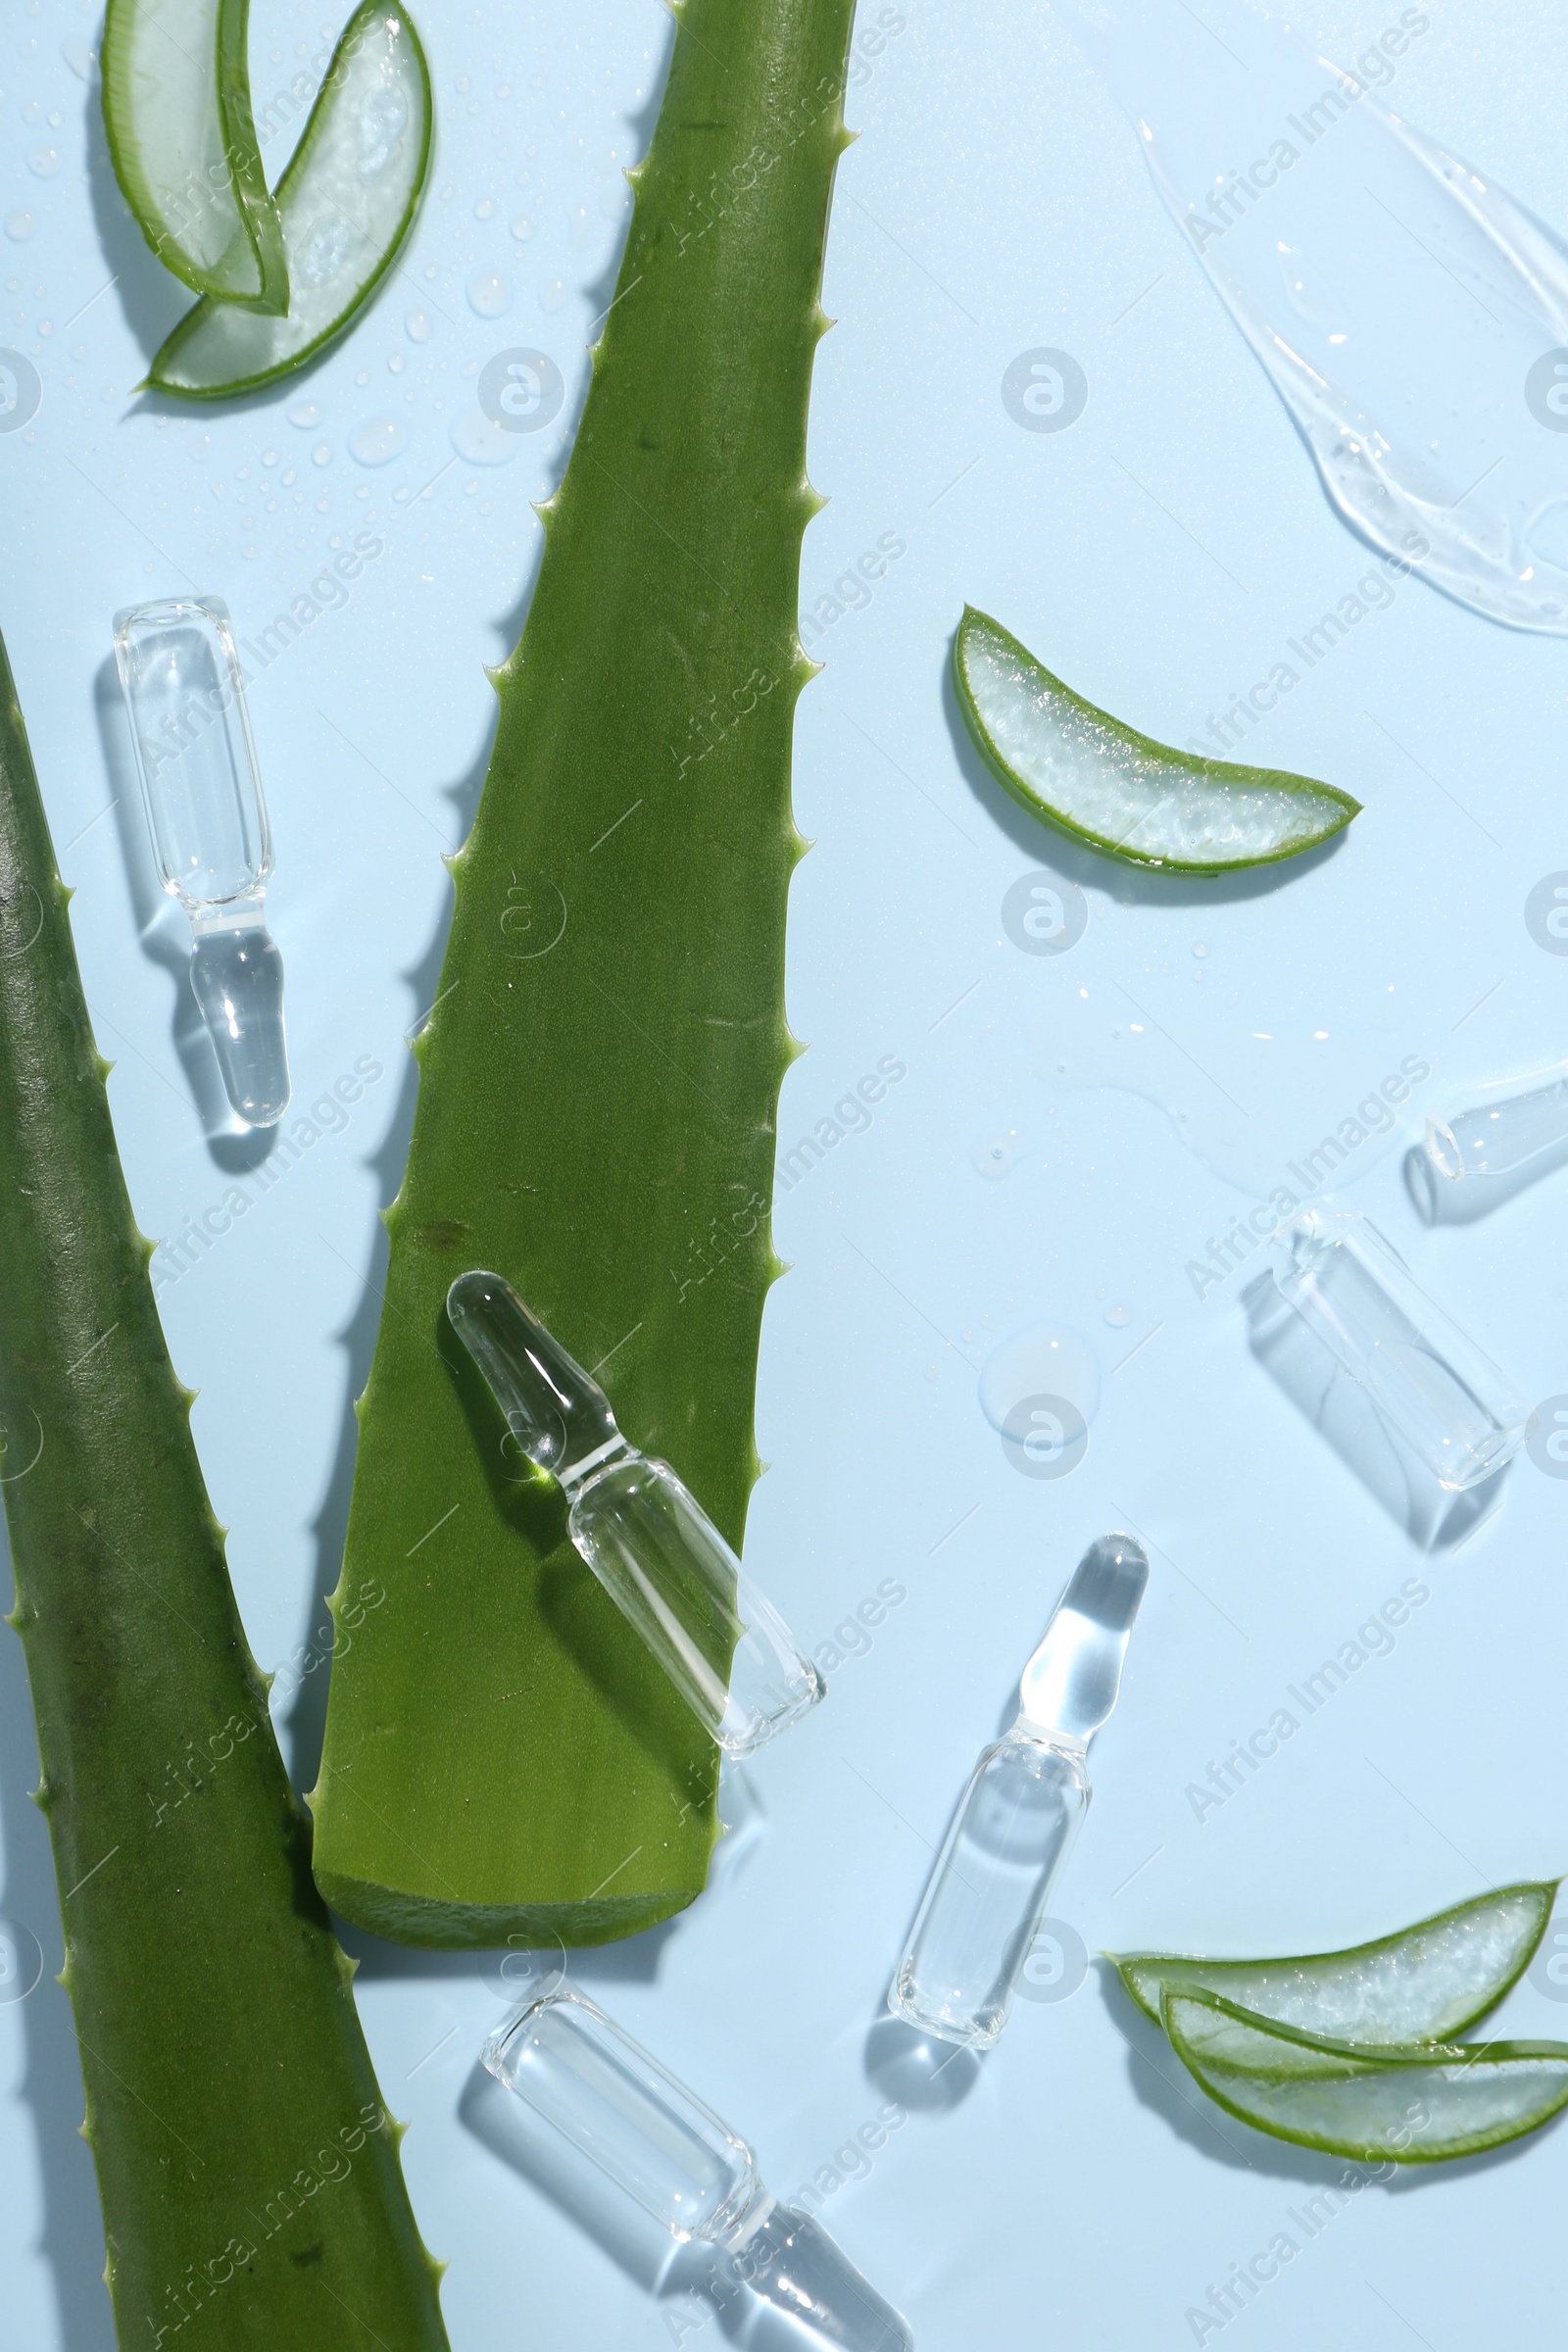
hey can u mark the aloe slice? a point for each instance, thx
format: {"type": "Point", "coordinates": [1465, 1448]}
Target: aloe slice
{"type": "Point", "coordinates": [1416, 2104]}
{"type": "Point", "coordinates": [346, 203]}
{"type": "Point", "coordinates": [1423, 1985]}
{"type": "Point", "coordinates": [1119, 791]}
{"type": "Point", "coordinates": [178, 115]}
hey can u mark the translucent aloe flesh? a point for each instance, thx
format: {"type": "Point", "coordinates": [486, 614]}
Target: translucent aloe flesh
{"type": "Point", "coordinates": [248, 2169]}
{"type": "Point", "coordinates": [598, 1079]}
{"type": "Point", "coordinates": [1121, 792]}
{"type": "Point", "coordinates": [1425, 1984]}
{"type": "Point", "coordinates": [345, 204]}
{"type": "Point", "coordinates": [1418, 2104]}
{"type": "Point", "coordinates": [177, 116]}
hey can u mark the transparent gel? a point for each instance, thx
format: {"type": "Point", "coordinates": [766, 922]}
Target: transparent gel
{"type": "Point", "coordinates": [640, 1529]}
{"type": "Point", "coordinates": [1408, 313]}
{"type": "Point", "coordinates": [1016, 1821]}
{"type": "Point", "coordinates": [202, 792]}
{"type": "Point", "coordinates": [666, 2150]}
{"type": "Point", "coordinates": [1447, 1399]}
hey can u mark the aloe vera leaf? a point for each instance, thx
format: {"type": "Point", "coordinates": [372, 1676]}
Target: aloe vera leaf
{"type": "Point", "coordinates": [1120, 792]}
{"type": "Point", "coordinates": [1420, 2103]}
{"type": "Point", "coordinates": [599, 1081]}
{"type": "Point", "coordinates": [247, 2166]}
{"type": "Point", "coordinates": [346, 205]}
{"type": "Point", "coordinates": [177, 118]}
{"type": "Point", "coordinates": [1424, 1983]}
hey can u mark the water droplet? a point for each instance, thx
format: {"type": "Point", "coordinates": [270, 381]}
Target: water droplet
{"type": "Point", "coordinates": [304, 416]}
{"type": "Point", "coordinates": [416, 326]}
{"type": "Point", "coordinates": [1043, 1359]}
{"type": "Point", "coordinates": [1199, 949]}
{"type": "Point", "coordinates": [268, 457]}
{"type": "Point", "coordinates": [1118, 1316]}
{"type": "Point", "coordinates": [44, 162]}
{"type": "Point", "coordinates": [485, 208]}
{"type": "Point", "coordinates": [322, 454]}
{"type": "Point", "coordinates": [522, 229]}
{"type": "Point", "coordinates": [378, 442]}
{"type": "Point", "coordinates": [288, 477]}
{"type": "Point", "coordinates": [480, 440]}
{"type": "Point", "coordinates": [396, 362]}
{"type": "Point", "coordinates": [81, 56]}
{"type": "Point", "coordinates": [552, 294]}
{"type": "Point", "coordinates": [20, 225]}
{"type": "Point", "coordinates": [199, 446]}
{"type": "Point", "coordinates": [999, 1154]}
{"type": "Point", "coordinates": [489, 293]}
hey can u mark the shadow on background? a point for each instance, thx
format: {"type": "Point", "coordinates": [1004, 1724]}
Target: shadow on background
{"type": "Point", "coordinates": [70, 2238]}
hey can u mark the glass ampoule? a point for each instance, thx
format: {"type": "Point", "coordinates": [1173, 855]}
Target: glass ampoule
{"type": "Point", "coordinates": [641, 1531]}
{"type": "Point", "coordinates": [1447, 1399]}
{"type": "Point", "coordinates": [1496, 1139]}
{"type": "Point", "coordinates": [666, 2150]}
{"type": "Point", "coordinates": [1025, 1803]}
{"type": "Point", "coordinates": [202, 791]}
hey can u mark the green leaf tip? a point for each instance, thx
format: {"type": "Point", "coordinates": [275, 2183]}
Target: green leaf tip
{"type": "Point", "coordinates": [1121, 792]}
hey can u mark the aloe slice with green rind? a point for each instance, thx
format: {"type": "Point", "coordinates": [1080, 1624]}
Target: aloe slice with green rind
{"type": "Point", "coordinates": [346, 203]}
{"type": "Point", "coordinates": [1121, 792]}
{"type": "Point", "coordinates": [177, 116]}
{"type": "Point", "coordinates": [1424, 1983]}
{"type": "Point", "coordinates": [1420, 2103]}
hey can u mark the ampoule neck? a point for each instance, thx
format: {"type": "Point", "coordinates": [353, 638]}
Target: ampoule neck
{"type": "Point", "coordinates": [557, 1413]}
{"type": "Point", "coordinates": [245, 912]}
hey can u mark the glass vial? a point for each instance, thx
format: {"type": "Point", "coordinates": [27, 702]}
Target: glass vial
{"type": "Point", "coordinates": [202, 792]}
{"type": "Point", "coordinates": [667, 1569]}
{"type": "Point", "coordinates": [1496, 1138]}
{"type": "Point", "coordinates": [667, 2149]}
{"type": "Point", "coordinates": [990, 1888]}
{"type": "Point", "coordinates": [1444, 1397]}
{"type": "Point", "coordinates": [640, 1529]}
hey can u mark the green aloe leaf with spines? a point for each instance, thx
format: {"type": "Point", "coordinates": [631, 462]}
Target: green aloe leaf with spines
{"type": "Point", "coordinates": [248, 2167]}
{"type": "Point", "coordinates": [600, 1078]}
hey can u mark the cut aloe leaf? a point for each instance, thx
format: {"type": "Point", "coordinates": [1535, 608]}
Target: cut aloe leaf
{"type": "Point", "coordinates": [1415, 2104]}
{"type": "Point", "coordinates": [1119, 791]}
{"type": "Point", "coordinates": [346, 202]}
{"type": "Point", "coordinates": [178, 115]}
{"type": "Point", "coordinates": [1425, 1984]}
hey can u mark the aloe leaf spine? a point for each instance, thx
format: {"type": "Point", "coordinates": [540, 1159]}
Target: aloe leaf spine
{"type": "Point", "coordinates": [248, 2167]}
{"type": "Point", "coordinates": [599, 1080]}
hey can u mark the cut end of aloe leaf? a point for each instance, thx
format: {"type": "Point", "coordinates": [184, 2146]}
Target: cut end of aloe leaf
{"type": "Point", "coordinates": [1118, 791]}
{"type": "Point", "coordinates": [1417, 2103]}
{"type": "Point", "coordinates": [346, 203]}
{"type": "Point", "coordinates": [1424, 1983]}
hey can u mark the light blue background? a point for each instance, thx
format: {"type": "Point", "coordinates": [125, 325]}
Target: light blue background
{"type": "Point", "coordinates": [1156, 555]}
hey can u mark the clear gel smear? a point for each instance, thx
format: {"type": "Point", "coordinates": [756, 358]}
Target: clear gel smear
{"type": "Point", "coordinates": [1409, 313]}
{"type": "Point", "coordinates": [202, 791]}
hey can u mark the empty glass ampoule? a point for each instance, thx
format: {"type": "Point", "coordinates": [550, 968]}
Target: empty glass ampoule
{"type": "Point", "coordinates": [658, 2141]}
{"type": "Point", "coordinates": [1447, 1399]}
{"type": "Point", "coordinates": [1498, 1138]}
{"type": "Point", "coordinates": [641, 1531]}
{"type": "Point", "coordinates": [202, 791]}
{"type": "Point", "coordinates": [1026, 1799]}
